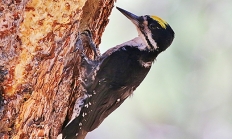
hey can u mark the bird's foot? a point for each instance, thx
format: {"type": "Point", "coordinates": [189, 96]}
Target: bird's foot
{"type": "Point", "coordinates": [89, 36]}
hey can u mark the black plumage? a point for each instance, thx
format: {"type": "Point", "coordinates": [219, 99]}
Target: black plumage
{"type": "Point", "coordinates": [112, 86]}
{"type": "Point", "coordinates": [113, 76]}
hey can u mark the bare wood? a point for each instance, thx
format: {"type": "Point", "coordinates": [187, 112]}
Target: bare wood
{"type": "Point", "coordinates": [39, 68]}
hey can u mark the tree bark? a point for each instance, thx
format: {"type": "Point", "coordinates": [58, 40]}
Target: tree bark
{"type": "Point", "coordinates": [39, 67]}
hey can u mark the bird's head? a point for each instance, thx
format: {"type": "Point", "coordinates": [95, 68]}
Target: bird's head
{"type": "Point", "coordinates": [156, 32]}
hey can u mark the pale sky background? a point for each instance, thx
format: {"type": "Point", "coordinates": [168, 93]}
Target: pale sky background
{"type": "Point", "coordinates": [188, 92]}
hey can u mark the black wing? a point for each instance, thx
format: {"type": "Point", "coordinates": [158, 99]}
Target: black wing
{"type": "Point", "coordinates": [118, 75]}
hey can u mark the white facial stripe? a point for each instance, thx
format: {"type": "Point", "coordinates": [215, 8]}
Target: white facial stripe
{"type": "Point", "coordinates": [149, 36]}
{"type": "Point", "coordinates": [143, 39]}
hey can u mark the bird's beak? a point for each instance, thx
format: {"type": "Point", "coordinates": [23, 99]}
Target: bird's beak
{"type": "Point", "coordinates": [134, 18]}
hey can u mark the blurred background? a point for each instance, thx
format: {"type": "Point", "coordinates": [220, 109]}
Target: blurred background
{"type": "Point", "coordinates": [188, 92]}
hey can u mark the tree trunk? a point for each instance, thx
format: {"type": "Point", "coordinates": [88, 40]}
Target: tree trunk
{"type": "Point", "coordinates": [39, 67]}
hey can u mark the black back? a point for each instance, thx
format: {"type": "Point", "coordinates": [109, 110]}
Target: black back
{"type": "Point", "coordinates": [119, 74]}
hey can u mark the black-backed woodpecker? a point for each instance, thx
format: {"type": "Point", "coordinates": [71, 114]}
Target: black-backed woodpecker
{"type": "Point", "coordinates": [113, 76]}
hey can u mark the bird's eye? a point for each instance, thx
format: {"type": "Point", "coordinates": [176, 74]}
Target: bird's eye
{"type": "Point", "coordinates": [152, 27]}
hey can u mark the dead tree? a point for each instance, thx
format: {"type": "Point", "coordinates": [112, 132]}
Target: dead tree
{"type": "Point", "coordinates": [39, 67]}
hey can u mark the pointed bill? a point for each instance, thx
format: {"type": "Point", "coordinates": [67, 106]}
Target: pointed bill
{"type": "Point", "coordinates": [134, 18]}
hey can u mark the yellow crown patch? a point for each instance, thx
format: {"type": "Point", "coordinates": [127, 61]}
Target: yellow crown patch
{"type": "Point", "coordinates": [162, 23]}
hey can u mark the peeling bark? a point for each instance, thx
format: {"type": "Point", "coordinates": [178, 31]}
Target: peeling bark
{"type": "Point", "coordinates": [39, 67]}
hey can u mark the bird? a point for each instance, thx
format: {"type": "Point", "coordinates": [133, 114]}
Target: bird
{"type": "Point", "coordinates": [113, 76]}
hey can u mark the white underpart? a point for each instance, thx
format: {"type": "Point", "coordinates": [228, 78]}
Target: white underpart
{"type": "Point", "coordinates": [77, 108]}
{"type": "Point", "coordinates": [138, 42]}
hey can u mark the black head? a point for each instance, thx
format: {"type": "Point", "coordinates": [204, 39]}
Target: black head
{"type": "Point", "coordinates": [157, 33]}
